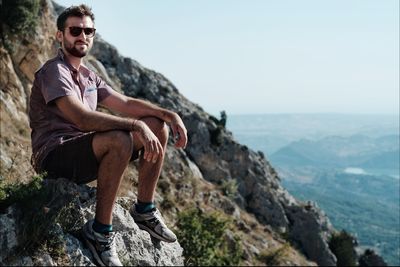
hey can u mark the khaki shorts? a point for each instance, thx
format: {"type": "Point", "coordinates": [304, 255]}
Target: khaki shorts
{"type": "Point", "coordinates": [75, 160]}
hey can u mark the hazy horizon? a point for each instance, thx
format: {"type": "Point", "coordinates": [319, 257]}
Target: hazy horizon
{"type": "Point", "coordinates": [257, 57]}
{"type": "Point", "coordinates": [313, 113]}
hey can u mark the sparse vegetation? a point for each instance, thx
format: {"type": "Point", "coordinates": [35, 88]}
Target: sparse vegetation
{"type": "Point", "coordinates": [17, 166]}
{"type": "Point", "coordinates": [19, 192]}
{"type": "Point", "coordinates": [276, 256]}
{"type": "Point", "coordinates": [167, 203]}
{"type": "Point", "coordinates": [54, 245]}
{"type": "Point", "coordinates": [223, 119]}
{"type": "Point", "coordinates": [202, 236]}
{"type": "Point", "coordinates": [229, 188]}
{"type": "Point", "coordinates": [343, 246]}
{"type": "Point", "coordinates": [38, 216]}
{"type": "Point", "coordinates": [21, 16]}
{"type": "Point", "coordinates": [18, 20]}
{"type": "Point", "coordinates": [216, 134]}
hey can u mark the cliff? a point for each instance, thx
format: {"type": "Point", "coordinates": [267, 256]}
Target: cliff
{"type": "Point", "coordinates": [214, 172]}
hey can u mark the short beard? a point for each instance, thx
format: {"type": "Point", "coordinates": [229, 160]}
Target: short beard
{"type": "Point", "coordinates": [70, 48]}
{"type": "Point", "coordinates": [75, 52]}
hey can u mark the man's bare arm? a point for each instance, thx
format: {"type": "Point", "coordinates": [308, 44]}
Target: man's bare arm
{"type": "Point", "coordinates": [135, 108]}
{"type": "Point", "coordinates": [138, 108]}
{"type": "Point", "coordinates": [87, 120]}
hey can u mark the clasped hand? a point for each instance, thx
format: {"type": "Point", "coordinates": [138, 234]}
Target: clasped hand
{"type": "Point", "coordinates": [152, 146]}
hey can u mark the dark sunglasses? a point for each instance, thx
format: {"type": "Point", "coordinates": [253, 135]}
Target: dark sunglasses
{"type": "Point", "coordinates": [76, 31]}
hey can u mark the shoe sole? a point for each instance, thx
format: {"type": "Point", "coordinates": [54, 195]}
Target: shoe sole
{"type": "Point", "coordinates": [92, 249]}
{"type": "Point", "coordinates": [154, 234]}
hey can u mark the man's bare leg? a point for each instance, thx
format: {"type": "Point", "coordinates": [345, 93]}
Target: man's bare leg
{"type": "Point", "coordinates": [149, 172]}
{"type": "Point", "coordinates": [113, 150]}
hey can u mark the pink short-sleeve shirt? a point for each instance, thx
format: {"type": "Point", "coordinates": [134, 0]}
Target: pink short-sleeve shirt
{"type": "Point", "coordinates": [55, 79]}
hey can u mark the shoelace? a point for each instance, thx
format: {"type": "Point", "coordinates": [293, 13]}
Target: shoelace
{"type": "Point", "coordinates": [110, 241]}
{"type": "Point", "coordinates": [107, 243]}
{"type": "Point", "coordinates": [158, 217]}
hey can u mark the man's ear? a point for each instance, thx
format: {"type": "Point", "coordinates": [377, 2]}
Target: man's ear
{"type": "Point", "coordinates": [59, 36]}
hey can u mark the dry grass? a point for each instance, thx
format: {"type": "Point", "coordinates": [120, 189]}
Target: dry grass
{"type": "Point", "coordinates": [15, 149]}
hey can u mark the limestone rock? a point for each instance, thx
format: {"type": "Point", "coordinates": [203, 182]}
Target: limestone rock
{"type": "Point", "coordinates": [313, 243]}
{"type": "Point", "coordinates": [67, 207]}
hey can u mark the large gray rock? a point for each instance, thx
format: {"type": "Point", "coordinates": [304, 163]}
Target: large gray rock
{"type": "Point", "coordinates": [314, 243]}
{"type": "Point", "coordinates": [65, 209]}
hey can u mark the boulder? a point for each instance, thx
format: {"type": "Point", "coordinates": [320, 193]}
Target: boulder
{"type": "Point", "coordinates": [50, 234]}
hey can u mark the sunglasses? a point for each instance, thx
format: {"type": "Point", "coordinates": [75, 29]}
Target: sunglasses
{"type": "Point", "coordinates": [76, 31]}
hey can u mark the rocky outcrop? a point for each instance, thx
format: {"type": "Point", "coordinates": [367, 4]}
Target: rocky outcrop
{"type": "Point", "coordinates": [220, 158]}
{"type": "Point", "coordinates": [314, 243]}
{"type": "Point", "coordinates": [211, 160]}
{"type": "Point", "coordinates": [59, 216]}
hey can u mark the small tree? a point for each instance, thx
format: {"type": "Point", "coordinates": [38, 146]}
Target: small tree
{"type": "Point", "coordinates": [343, 246]}
{"type": "Point", "coordinates": [370, 258]}
{"type": "Point", "coordinates": [223, 119]}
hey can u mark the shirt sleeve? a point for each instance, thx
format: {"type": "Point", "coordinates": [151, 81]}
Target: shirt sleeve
{"type": "Point", "coordinates": [103, 89]}
{"type": "Point", "coordinates": [56, 82]}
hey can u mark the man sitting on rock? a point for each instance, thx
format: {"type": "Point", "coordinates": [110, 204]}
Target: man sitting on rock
{"type": "Point", "coordinates": [71, 139]}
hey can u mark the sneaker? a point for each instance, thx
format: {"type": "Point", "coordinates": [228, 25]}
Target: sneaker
{"type": "Point", "coordinates": [153, 224]}
{"type": "Point", "coordinates": [102, 246]}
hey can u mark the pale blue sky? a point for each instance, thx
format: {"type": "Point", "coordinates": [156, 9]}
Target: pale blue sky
{"type": "Point", "coordinates": [266, 56]}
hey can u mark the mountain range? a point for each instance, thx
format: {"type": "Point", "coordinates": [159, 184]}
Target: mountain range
{"type": "Point", "coordinates": [341, 152]}
{"type": "Point", "coordinates": [348, 164]}
{"type": "Point", "coordinates": [354, 179]}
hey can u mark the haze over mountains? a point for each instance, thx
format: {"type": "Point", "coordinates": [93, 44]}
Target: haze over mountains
{"type": "Point", "coordinates": [271, 132]}
{"type": "Point", "coordinates": [348, 164]}
{"type": "Point", "coordinates": [341, 152]}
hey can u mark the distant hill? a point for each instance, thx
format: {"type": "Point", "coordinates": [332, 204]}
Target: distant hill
{"type": "Point", "coordinates": [345, 163]}
{"type": "Point", "coordinates": [367, 205]}
{"type": "Point", "coordinates": [385, 160]}
{"type": "Point", "coordinates": [335, 151]}
{"type": "Point", "coordinates": [271, 132]}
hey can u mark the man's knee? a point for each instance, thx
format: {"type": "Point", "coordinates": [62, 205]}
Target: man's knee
{"type": "Point", "coordinates": [159, 127]}
{"type": "Point", "coordinates": [119, 141]}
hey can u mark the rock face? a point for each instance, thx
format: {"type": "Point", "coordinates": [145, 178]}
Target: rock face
{"type": "Point", "coordinates": [66, 208]}
{"type": "Point", "coordinates": [211, 160]}
{"type": "Point", "coordinates": [219, 158]}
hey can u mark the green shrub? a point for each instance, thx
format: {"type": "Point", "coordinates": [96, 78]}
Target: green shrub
{"type": "Point", "coordinates": [202, 237]}
{"type": "Point", "coordinates": [36, 220]}
{"type": "Point", "coordinates": [21, 16]}
{"type": "Point", "coordinates": [230, 188]}
{"type": "Point", "coordinates": [343, 246]}
{"type": "Point", "coordinates": [19, 192]}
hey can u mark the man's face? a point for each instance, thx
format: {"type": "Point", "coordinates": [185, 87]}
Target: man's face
{"type": "Point", "coordinates": [80, 45]}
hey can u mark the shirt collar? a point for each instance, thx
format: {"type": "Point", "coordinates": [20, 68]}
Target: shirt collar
{"type": "Point", "coordinates": [61, 56]}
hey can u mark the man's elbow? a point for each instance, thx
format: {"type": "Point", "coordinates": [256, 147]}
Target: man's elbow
{"type": "Point", "coordinates": [83, 123]}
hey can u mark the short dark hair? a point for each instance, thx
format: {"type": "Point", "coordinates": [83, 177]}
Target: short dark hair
{"type": "Point", "coordinates": [73, 11]}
